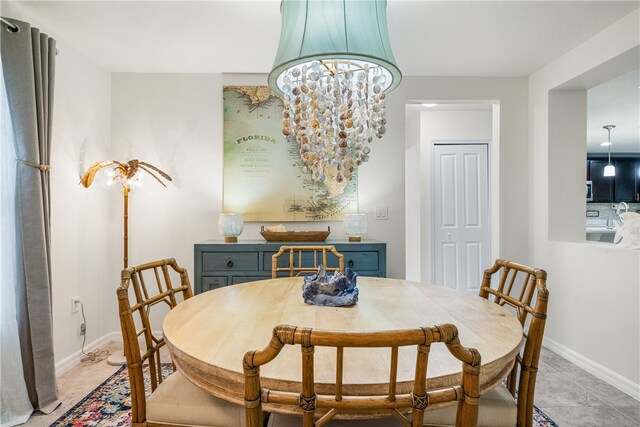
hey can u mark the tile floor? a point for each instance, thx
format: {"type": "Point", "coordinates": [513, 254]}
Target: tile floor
{"type": "Point", "coordinates": [565, 392]}
{"type": "Point", "coordinates": [573, 397]}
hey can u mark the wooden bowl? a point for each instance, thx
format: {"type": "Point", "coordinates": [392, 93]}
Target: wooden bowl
{"type": "Point", "coordinates": [295, 236]}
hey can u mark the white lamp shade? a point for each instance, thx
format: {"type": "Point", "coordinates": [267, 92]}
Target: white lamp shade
{"type": "Point", "coordinates": [230, 225]}
{"type": "Point", "coordinates": [355, 225]}
{"type": "Point", "coordinates": [609, 170]}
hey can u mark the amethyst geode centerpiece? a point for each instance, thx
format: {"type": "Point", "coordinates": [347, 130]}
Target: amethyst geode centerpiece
{"type": "Point", "coordinates": [335, 290]}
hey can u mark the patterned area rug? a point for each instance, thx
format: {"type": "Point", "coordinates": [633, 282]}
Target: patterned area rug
{"type": "Point", "coordinates": [540, 419]}
{"type": "Point", "coordinates": [110, 405]}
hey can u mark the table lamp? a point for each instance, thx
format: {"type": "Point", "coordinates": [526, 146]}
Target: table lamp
{"type": "Point", "coordinates": [355, 226]}
{"type": "Point", "coordinates": [230, 225]}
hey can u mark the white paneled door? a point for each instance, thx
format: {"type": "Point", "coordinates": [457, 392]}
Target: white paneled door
{"type": "Point", "coordinates": [461, 238]}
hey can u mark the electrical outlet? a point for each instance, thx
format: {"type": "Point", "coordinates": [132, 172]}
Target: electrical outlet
{"type": "Point", "coordinates": [83, 329]}
{"type": "Point", "coordinates": [75, 304]}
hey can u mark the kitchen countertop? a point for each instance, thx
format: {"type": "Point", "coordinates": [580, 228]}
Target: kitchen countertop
{"type": "Point", "coordinates": [604, 230]}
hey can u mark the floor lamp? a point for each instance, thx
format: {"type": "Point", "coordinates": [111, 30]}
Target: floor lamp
{"type": "Point", "coordinates": [127, 174]}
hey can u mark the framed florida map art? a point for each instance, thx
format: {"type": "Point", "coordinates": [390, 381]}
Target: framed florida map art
{"type": "Point", "coordinates": [264, 178]}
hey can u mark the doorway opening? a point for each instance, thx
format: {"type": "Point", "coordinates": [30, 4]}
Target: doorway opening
{"type": "Point", "coordinates": [452, 198]}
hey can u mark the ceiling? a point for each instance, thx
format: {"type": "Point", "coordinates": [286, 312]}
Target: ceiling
{"type": "Point", "coordinates": [616, 102]}
{"type": "Point", "coordinates": [429, 38]}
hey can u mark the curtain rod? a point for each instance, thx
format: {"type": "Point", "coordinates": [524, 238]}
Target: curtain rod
{"type": "Point", "coordinates": [11, 25]}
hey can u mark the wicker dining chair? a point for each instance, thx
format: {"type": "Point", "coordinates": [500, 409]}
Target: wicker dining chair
{"type": "Point", "coordinates": [514, 287]}
{"type": "Point", "coordinates": [173, 400]}
{"type": "Point", "coordinates": [298, 262]}
{"type": "Point", "coordinates": [391, 405]}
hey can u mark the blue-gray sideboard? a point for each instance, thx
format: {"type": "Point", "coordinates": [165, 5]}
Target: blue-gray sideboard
{"type": "Point", "coordinates": [218, 264]}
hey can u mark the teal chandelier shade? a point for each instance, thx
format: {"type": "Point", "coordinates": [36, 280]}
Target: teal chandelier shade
{"type": "Point", "coordinates": [333, 69]}
{"type": "Point", "coordinates": [334, 29]}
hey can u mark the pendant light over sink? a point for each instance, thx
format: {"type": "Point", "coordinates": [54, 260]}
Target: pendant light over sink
{"type": "Point", "coordinates": [333, 68]}
{"type": "Point", "coordinates": [609, 170]}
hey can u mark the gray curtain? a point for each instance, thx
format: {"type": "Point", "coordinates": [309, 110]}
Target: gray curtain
{"type": "Point", "coordinates": [28, 62]}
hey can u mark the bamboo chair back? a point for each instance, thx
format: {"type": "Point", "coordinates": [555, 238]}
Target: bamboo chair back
{"type": "Point", "coordinates": [516, 287]}
{"type": "Point", "coordinates": [297, 264]}
{"type": "Point", "coordinates": [392, 403]}
{"type": "Point", "coordinates": [146, 298]}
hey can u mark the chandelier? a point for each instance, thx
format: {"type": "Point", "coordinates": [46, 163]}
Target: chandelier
{"type": "Point", "coordinates": [333, 68]}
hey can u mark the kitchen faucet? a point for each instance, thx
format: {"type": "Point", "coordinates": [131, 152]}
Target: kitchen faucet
{"type": "Point", "coordinates": [626, 208]}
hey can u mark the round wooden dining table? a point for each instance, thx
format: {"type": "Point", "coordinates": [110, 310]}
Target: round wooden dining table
{"type": "Point", "coordinates": [208, 335]}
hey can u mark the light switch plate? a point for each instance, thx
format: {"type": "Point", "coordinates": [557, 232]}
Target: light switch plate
{"type": "Point", "coordinates": [381, 213]}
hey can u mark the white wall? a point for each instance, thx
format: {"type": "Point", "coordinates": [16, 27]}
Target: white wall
{"type": "Point", "coordinates": [84, 240]}
{"type": "Point", "coordinates": [567, 154]}
{"type": "Point", "coordinates": [175, 123]}
{"type": "Point", "coordinates": [439, 126]}
{"type": "Point", "coordinates": [413, 242]}
{"type": "Point", "coordinates": [594, 288]}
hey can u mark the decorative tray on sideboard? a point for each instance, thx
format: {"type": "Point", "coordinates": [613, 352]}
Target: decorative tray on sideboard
{"type": "Point", "coordinates": [295, 236]}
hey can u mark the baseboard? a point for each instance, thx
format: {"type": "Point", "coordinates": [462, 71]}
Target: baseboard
{"type": "Point", "coordinates": [605, 374]}
{"type": "Point", "coordinates": [69, 362]}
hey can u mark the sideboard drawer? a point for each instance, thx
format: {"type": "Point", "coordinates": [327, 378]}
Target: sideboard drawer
{"type": "Point", "coordinates": [360, 261]}
{"type": "Point", "coordinates": [212, 261]}
{"type": "Point", "coordinates": [213, 282]}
